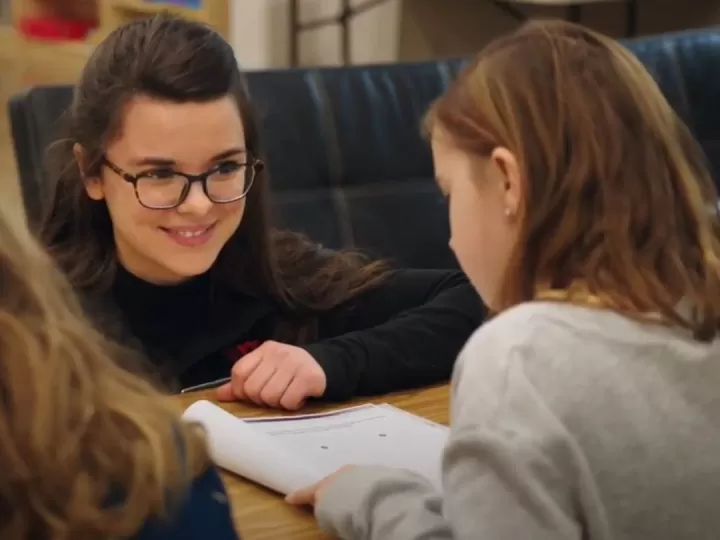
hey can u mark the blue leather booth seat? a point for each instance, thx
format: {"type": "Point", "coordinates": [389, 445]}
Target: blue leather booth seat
{"type": "Point", "coordinates": [346, 159]}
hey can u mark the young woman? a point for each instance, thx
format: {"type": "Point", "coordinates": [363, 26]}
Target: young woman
{"type": "Point", "coordinates": [87, 450]}
{"type": "Point", "coordinates": [159, 213]}
{"type": "Point", "coordinates": [588, 408]}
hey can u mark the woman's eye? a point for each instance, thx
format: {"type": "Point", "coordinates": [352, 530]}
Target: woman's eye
{"type": "Point", "coordinates": [159, 173]}
{"type": "Point", "coordinates": [229, 167]}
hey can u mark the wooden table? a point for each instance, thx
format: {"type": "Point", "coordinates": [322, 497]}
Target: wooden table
{"type": "Point", "coordinates": [261, 514]}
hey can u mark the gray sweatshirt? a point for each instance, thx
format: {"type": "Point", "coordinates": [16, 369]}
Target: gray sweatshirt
{"type": "Point", "coordinates": [567, 423]}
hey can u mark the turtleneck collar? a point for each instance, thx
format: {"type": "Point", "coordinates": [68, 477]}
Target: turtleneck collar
{"type": "Point", "coordinates": [142, 301]}
{"type": "Point", "coordinates": [127, 282]}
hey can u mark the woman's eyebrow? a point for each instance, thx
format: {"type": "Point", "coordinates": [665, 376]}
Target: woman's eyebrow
{"type": "Point", "coordinates": [229, 153]}
{"type": "Point", "coordinates": [156, 161]}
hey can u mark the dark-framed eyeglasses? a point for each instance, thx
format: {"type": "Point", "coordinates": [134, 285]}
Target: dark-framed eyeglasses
{"type": "Point", "coordinates": [166, 188]}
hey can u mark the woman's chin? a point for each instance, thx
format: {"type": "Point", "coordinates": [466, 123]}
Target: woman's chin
{"type": "Point", "coordinates": [175, 274]}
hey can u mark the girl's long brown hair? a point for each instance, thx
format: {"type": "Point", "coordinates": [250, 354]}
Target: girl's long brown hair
{"type": "Point", "coordinates": [88, 450]}
{"type": "Point", "coordinates": [620, 206]}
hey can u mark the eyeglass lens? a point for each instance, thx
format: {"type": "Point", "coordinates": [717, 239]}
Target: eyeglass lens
{"type": "Point", "coordinates": [224, 185]}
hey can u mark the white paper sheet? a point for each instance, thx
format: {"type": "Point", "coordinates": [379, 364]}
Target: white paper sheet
{"type": "Point", "coordinates": [242, 449]}
{"type": "Point", "coordinates": [369, 435]}
{"type": "Point", "coordinates": [285, 453]}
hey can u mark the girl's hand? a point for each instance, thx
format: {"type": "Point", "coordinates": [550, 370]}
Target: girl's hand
{"type": "Point", "coordinates": [311, 494]}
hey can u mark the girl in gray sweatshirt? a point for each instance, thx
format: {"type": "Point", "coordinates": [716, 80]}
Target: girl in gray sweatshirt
{"type": "Point", "coordinates": [589, 406]}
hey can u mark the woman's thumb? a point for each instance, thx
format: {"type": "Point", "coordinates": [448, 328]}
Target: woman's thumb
{"type": "Point", "coordinates": [225, 393]}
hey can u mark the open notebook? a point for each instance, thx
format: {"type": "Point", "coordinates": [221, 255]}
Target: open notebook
{"type": "Point", "coordinates": [287, 453]}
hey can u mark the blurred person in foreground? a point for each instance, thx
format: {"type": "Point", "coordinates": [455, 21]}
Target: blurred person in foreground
{"type": "Point", "coordinates": [89, 450]}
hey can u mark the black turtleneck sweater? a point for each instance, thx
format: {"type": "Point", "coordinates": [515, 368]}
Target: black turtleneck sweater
{"type": "Point", "coordinates": [404, 334]}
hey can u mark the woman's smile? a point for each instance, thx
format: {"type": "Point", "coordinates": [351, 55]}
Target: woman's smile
{"type": "Point", "coordinates": [191, 236]}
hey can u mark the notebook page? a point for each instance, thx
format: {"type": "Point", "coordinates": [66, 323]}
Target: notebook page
{"type": "Point", "coordinates": [237, 447]}
{"type": "Point", "coordinates": [368, 435]}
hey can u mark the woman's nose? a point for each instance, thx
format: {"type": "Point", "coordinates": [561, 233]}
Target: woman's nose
{"type": "Point", "coordinates": [196, 202]}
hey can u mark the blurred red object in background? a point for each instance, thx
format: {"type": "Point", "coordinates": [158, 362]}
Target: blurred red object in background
{"type": "Point", "coordinates": [56, 29]}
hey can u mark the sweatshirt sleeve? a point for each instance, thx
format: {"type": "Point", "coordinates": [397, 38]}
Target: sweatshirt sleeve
{"type": "Point", "coordinates": [507, 469]}
{"type": "Point", "coordinates": [406, 333]}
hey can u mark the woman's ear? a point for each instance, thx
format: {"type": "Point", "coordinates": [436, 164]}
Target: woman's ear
{"type": "Point", "coordinates": [93, 185]}
{"type": "Point", "coordinates": [508, 166]}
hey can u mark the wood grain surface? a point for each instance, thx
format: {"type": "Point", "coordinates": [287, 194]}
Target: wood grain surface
{"type": "Point", "coordinates": [263, 515]}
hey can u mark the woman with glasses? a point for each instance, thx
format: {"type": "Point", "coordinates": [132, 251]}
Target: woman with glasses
{"type": "Point", "coordinates": [158, 218]}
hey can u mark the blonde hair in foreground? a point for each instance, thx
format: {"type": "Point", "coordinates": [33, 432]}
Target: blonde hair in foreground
{"type": "Point", "coordinates": [88, 451]}
{"type": "Point", "coordinates": [619, 208]}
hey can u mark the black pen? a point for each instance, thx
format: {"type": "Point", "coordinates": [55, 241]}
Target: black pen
{"type": "Point", "coordinates": [206, 386]}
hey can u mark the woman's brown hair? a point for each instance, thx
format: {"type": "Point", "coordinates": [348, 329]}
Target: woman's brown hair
{"type": "Point", "coordinates": [619, 203]}
{"type": "Point", "coordinates": [169, 58]}
{"type": "Point", "coordinates": [88, 450]}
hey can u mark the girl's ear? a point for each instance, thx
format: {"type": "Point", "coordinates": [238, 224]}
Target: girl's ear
{"type": "Point", "coordinates": [512, 187]}
{"type": "Point", "coordinates": [93, 185]}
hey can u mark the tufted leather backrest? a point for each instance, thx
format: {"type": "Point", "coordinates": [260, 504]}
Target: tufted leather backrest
{"type": "Point", "coordinates": [687, 67]}
{"type": "Point", "coordinates": [34, 120]}
{"type": "Point", "coordinates": [346, 159]}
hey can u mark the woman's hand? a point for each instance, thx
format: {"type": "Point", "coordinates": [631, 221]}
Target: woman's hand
{"type": "Point", "coordinates": [275, 375]}
{"type": "Point", "coordinates": [311, 494]}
